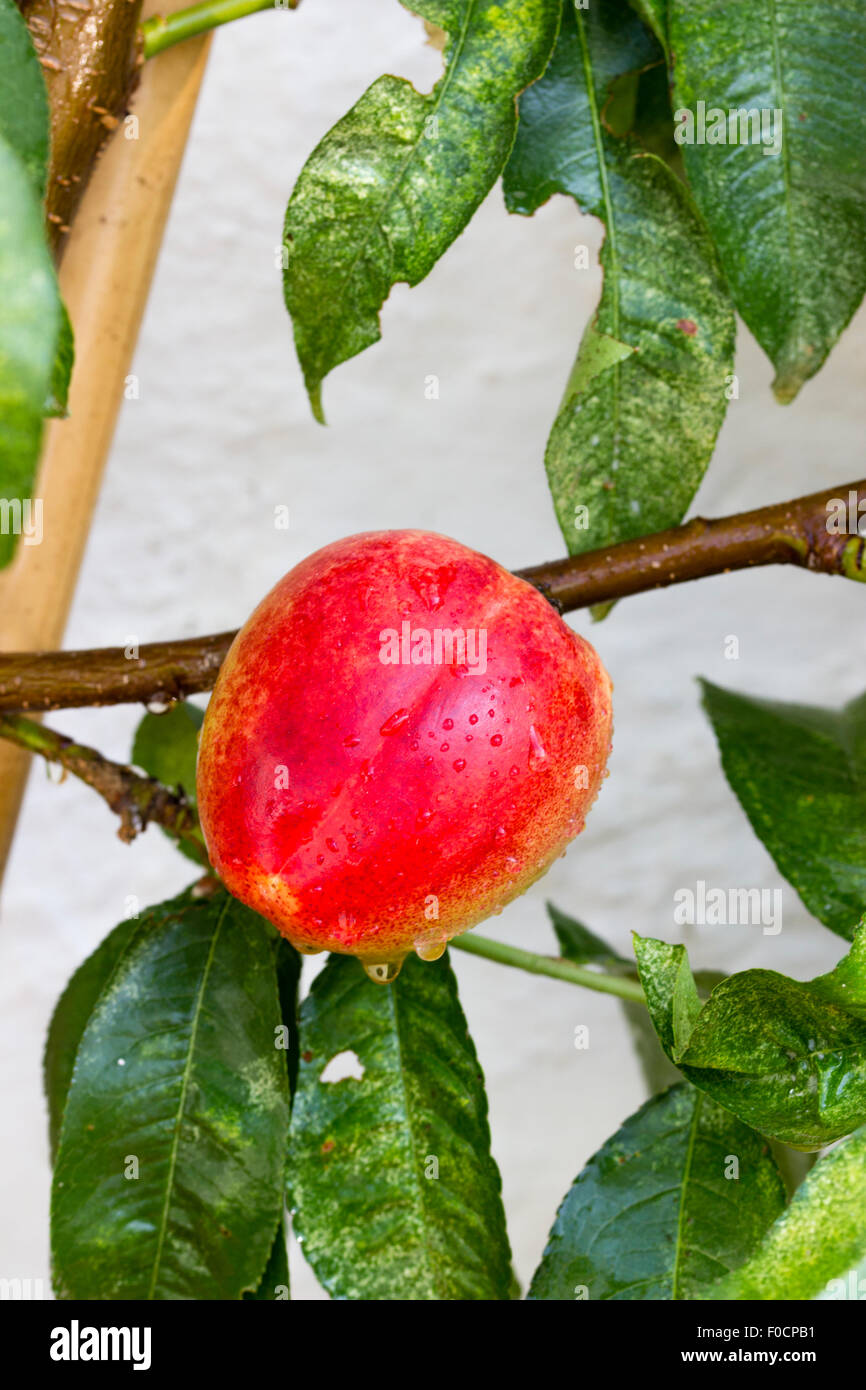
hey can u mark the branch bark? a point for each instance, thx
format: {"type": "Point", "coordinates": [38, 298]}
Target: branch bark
{"type": "Point", "coordinates": [91, 53]}
{"type": "Point", "coordinates": [793, 533]}
{"type": "Point", "coordinates": [135, 799]}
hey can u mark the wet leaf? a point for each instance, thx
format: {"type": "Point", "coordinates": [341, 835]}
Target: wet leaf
{"type": "Point", "coordinates": [168, 1182]}
{"type": "Point", "coordinates": [790, 225]}
{"type": "Point", "coordinates": [787, 1057]}
{"type": "Point", "coordinates": [394, 1192]}
{"type": "Point", "coordinates": [647, 395]}
{"type": "Point", "coordinates": [70, 1019]}
{"type": "Point", "coordinates": [397, 179]}
{"type": "Point", "coordinates": [800, 775]}
{"type": "Point", "coordinates": [166, 747]}
{"type": "Point", "coordinates": [681, 1194]}
{"type": "Point", "coordinates": [820, 1236]}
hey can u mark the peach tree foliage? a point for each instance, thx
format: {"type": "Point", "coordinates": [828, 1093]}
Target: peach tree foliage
{"type": "Point", "coordinates": [184, 1080]}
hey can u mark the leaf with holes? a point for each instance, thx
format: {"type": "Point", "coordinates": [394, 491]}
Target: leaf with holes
{"type": "Point", "coordinates": [648, 392]}
{"type": "Point", "coordinates": [394, 1192]}
{"type": "Point", "coordinates": [680, 1195]}
{"type": "Point", "coordinates": [397, 179]}
{"type": "Point", "coordinates": [773, 128]}
{"type": "Point", "coordinates": [169, 1177]}
{"type": "Point", "coordinates": [788, 1057]}
{"type": "Point", "coordinates": [800, 775]}
{"type": "Point", "coordinates": [820, 1236]}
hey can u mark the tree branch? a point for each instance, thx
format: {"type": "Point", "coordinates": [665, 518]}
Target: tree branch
{"type": "Point", "coordinates": [135, 799]}
{"type": "Point", "coordinates": [90, 51]}
{"type": "Point", "coordinates": [793, 533]}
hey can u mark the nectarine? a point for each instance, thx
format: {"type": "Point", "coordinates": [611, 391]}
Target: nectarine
{"type": "Point", "coordinates": [402, 738]}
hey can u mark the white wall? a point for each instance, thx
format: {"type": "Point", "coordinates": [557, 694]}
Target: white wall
{"type": "Point", "coordinates": [184, 543]}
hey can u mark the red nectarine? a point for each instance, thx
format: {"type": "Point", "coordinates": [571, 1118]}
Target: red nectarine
{"type": "Point", "coordinates": [402, 738]}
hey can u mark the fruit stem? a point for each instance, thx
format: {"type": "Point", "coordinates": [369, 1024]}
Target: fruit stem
{"type": "Point", "coordinates": [554, 966]}
{"type": "Point", "coordinates": [163, 31]}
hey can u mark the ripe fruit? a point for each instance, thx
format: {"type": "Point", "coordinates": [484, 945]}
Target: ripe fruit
{"type": "Point", "coordinates": [369, 798]}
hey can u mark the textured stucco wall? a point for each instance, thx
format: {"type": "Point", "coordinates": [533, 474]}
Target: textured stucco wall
{"type": "Point", "coordinates": [184, 543]}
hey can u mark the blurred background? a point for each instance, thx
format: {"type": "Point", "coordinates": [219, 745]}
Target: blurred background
{"type": "Point", "coordinates": [184, 543]}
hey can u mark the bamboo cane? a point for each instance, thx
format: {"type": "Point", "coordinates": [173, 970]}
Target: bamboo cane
{"type": "Point", "coordinates": [105, 277]}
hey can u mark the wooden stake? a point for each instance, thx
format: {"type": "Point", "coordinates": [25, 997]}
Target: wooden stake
{"type": "Point", "coordinates": [105, 278]}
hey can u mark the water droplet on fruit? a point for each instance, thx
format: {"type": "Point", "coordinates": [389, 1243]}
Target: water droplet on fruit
{"type": "Point", "coordinates": [473, 719]}
{"type": "Point", "coordinates": [382, 972]}
{"type": "Point", "coordinates": [459, 764]}
{"type": "Point", "coordinates": [395, 722]}
{"type": "Point", "coordinates": [499, 832]}
{"type": "Point", "coordinates": [430, 950]}
{"type": "Point", "coordinates": [537, 751]}
{"type": "Point", "coordinates": [332, 846]}
{"type": "Point", "coordinates": [428, 760]}
{"type": "Point", "coordinates": [448, 724]}
{"type": "Point", "coordinates": [496, 741]}
{"type": "Point", "coordinates": [351, 741]}
{"type": "Point", "coordinates": [320, 858]}
{"type": "Point", "coordinates": [514, 772]}
{"type": "Point", "coordinates": [443, 747]}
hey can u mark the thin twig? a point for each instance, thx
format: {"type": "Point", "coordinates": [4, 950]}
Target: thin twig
{"type": "Point", "coordinates": [135, 799]}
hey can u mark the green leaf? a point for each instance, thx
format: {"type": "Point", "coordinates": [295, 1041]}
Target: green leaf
{"type": "Point", "coordinates": [582, 946]}
{"type": "Point", "coordinates": [177, 1077]}
{"type": "Point", "coordinates": [274, 1283]}
{"type": "Point", "coordinates": [389, 188]}
{"type": "Point", "coordinates": [394, 1192]}
{"type": "Point", "coordinates": [25, 119]}
{"type": "Point", "coordinates": [662, 1209]}
{"type": "Point", "coordinates": [70, 1019]}
{"type": "Point", "coordinates": [30, 319]}
{"type": "Point", "coordinates": [789, 225]}
{"type": "Point", "coordinates": [639, 420]}
{"type": "Point", "coordinates": [820, 1236]}
{"type": "Point", "coordinates": [787, 1057]}
{"type": "Point", "coordinates": [654, 15]}
{"type": "Point", "coordinates": [800, 775]}
{"type": "Point", "coordinates": [166, 747]}
{"type": "Point", "coordinates": [58, 395]}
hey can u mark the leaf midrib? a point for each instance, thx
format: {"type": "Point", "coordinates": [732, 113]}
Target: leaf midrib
{"type": "Point", "coordinates": [175, 1143]}
{"type": "Point", "coordinates": [610, 224]}
{"type": "Point", "coordinates": [438, 93]}
{"type": "Point", "coordinates": [413, 1151]}
{"type": "Point", "coordinates": [679, 1245]}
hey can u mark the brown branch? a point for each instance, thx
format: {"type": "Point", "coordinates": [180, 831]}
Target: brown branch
{"type": "Point", "coordinates": [135, 799]}
{"type": "Point", "coordinates": [90, 52]}
{"type": "Point", "coordinates": [793, 533]}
